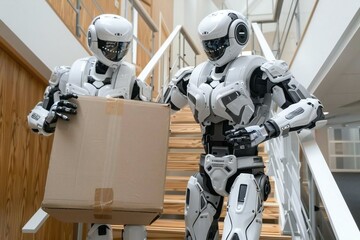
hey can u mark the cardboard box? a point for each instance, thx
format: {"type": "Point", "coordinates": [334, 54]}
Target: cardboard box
{"type": "Point", "coordinates": [108, 163]}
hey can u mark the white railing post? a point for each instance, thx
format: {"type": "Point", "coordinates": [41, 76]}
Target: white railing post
{"type": "Point", "coordinates": [285, 166]}
{"type": "Point", "coordinates": [35, 222]}
{"type": "Point", "coordinates": [340, 218]}
{"type": "Point", "coordinates": [165, 47]}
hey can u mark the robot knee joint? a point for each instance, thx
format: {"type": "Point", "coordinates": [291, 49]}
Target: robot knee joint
{"type": "Point", "coordinates": [235, 237]}
{"type": "Point", "coordinates": [264, 184]}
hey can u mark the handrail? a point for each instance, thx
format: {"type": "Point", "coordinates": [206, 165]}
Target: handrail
{"type": "Point", "coordinates": [266, 50]}
{"type": "Point", "coordinates": [143, 13]}
{"type": "Point", "coordinates": [339, 214]}
{"type": "Point", "coordinates": [155, 59]}
{"type": "Point", "coordinates": [341, 220]}
{"type": "Point", "coordinates": [190, 41]}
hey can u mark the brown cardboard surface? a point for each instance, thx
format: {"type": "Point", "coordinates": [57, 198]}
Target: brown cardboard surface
{"type": "Point", "coordinates": [109, 162]}
{"type": "Point", "coordinates": [83, 216]}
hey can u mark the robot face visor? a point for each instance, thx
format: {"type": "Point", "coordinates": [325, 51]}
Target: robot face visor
{"type": "Point", "coordinates": [114, 51]}
{"type": "Point", "coordinates": [215, 48]}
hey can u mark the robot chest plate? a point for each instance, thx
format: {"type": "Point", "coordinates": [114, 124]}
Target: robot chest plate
{"type": "Point", "coordinates": [212, 103]}
{"type": "Point", "coordinates": [116, 85]}
{"type": "Point", "coordinates": [94, 90]}
{"type": "Point", "coordinates": [106, 90]}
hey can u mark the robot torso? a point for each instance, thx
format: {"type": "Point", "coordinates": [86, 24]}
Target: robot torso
{"type": "Point", "coordinates": [214, 97]}
{"type": "Point", "coordinates": [84, 80]}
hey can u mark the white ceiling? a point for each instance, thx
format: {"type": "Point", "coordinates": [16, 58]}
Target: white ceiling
{"type": "Point", "coordinates": [339, 91]}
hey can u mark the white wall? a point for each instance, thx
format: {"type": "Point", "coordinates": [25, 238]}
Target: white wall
{"type": "Point", "coordinates": [326, 30]}
{"type": "Point", "coordinates": [189, 13]}
{"type": "Point", "coordinates": [33, 28]}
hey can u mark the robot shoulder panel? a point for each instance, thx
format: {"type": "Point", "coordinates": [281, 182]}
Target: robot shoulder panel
{"type": "Point", "coordinates": [59, 74]}
{"type": "Point", "coordinates": [79, 70]}
{"type": "Point", "coordinates": [125, 75]}
{"type": "Point", "coordinates": [200, 73]}
{"type": "Point", "coordinates": [276, 71]}
{"type": "Point", "coordinates": [243, 69]}
{"type": "Point", "coordinates": [80, 64]}
{"type": "Point", "coordinates": [182, 74]}
{"type": "Point", "coordinates": [127, 68]}
{"type": "Point", "coordinates": [249, 61]}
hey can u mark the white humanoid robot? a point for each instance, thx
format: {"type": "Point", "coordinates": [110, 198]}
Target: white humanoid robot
{"type": "Point", "coordinates": [230, 97]}
{"type": "Point", "coordinates": [104, 74]}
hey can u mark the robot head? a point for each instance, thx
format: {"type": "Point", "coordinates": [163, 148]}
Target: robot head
{"type": "Point", "coordinates": [223, 34]}
{"type": "Point", "coordinates": [109, 38]}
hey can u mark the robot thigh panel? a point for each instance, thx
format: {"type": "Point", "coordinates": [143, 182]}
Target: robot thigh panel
{"type": "Point", "coordinates": [244, 211]}
{"type": "Point", "coordinates": [202, 210]}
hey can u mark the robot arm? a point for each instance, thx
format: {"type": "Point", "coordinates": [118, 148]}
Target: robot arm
{"type": "Point", "coordinates": [300, 109]}
{"type": "Point", "coordinates": [176, 93]}
{"type": "Point", "coordinates": [42, 119]}
{"type": "Point", "coordinates": [144, 90]}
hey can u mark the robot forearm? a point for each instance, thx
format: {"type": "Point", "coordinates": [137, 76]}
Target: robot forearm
{"type": "Point", "coordinates": [175, 98]}
{"type": "Point", "coordinates": [301, 110]}
{"type": "Point", "coordinates": [176, 93]}
{"type": "Point", "coordinates": [42, 119]}
{"type": "Point", "coordinates": [307, 113]}
{"type": "Point", "coordinates": [144, 90]}
{"type": "Point", "coordinates": [37, 120]}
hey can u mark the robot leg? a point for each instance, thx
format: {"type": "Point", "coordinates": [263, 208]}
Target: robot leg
{"type": "Point", "coordinates": [244, 211]}
{"type": "Point", "coordinates": [202, 210]}
{"type": "Point", "coordinates": [100, 232]}
{"type": "Point", "coordinates": [134, 232]}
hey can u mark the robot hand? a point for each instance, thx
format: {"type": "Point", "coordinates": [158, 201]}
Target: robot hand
{"type": "Point", "coordinates": [42, 119]}
{"type": "Point", "coordinates": [59, 109]}
{"type": "Point", "coordinates": [145, 90]}
{"type": "Point", "coordinates": [247, 137]}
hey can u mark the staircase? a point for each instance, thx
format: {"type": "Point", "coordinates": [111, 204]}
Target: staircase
{"type": "Point", "coordinates": [183, 158]}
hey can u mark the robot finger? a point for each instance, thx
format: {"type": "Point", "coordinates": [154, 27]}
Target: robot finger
{"type": "Point", "coordinates": [67, 104]}
{"type": "Point", "coordinates": [241, 140]}
{"type": "Point", "coordinates": [61, 109]}
{"type": "Point", "coordinates": [235, 133]}
{"type": "Point", "coordinates": [253, 135]}
{"type": "Point", "coordinates": [68, 96]}
{"type": "Point", "coordinates": [62, 116]}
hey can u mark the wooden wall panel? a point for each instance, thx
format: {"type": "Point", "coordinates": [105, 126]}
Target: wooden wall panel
{"type": "Point", "coordinates": [144, 36]}
{"type": "Point", "coordinates": [88, 11]}
{"type": "Point", "coordinates": [155, 8]}
{"type": "Point", "coordinates": [23, 154]}
{"type": "Point", "coordinates": [65, 12]}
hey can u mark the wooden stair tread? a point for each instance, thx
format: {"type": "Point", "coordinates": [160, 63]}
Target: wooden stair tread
{"type": "Point", "coordinates": [193, 128]}
{"type": "Point", "coordinates": [179, 183]}
{"type": "Point", "coordinates": [193, 156]}
{"type": "Point", "coordinates": [185, 142]}
{"type": "Point", "coordinates": [178, 226]}
{"type": "Point", "coordinates": [193, 142]}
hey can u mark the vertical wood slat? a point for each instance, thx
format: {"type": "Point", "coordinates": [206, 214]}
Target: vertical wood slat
{"type": "Point", "coordinates": [23, 154]}
{"type": "Point", "coordinates": [88, 11]}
